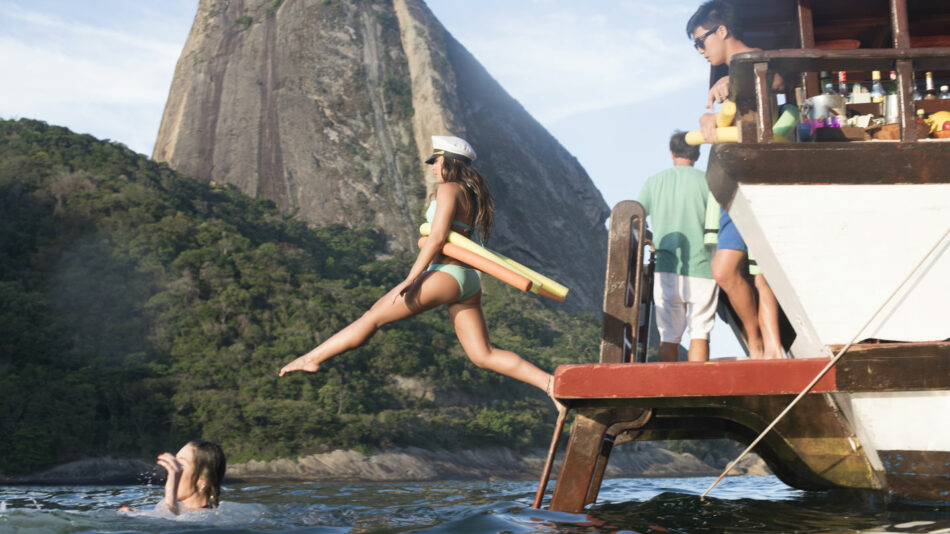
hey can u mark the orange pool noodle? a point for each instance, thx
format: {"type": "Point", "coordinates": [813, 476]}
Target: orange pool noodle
{"type": "Point", "coordinates": [474, 260]}
{"type": "Point", "coordinates": [538, 281]}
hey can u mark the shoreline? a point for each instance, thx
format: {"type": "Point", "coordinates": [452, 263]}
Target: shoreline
{"type": "Point", "coordinates": [395, 465]}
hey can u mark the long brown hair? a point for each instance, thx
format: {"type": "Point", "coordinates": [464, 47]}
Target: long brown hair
{"type": "Point", "coordinates": [478, 196]}
{"type": "Point", "coordinates": [210, 465]}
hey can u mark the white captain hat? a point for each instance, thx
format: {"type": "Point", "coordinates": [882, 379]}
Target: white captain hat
{"type": "Point", "coordinates": [451, 147]}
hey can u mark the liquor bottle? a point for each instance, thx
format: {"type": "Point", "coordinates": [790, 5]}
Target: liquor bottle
{"type": "Point", "coordinates": [829, 89]}
{"type": "Point", "coordinates": [944, 92]}
{"type": "Point", "coordinates": [843, 83]}
{"type": "Point", "coordinates": [877, 90]}
{"type": "Point", "coordinates": [929, 92]}
{"type": "Point", "coordinates": [892, 88]}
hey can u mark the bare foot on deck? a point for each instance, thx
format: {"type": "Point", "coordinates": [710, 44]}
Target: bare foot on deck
{"type": "Point", "coordinates": [561, 408]}
{"type": "Point", "coordinates": [756, 349]}
{"type": "Point", "coordinates": [303, 363]}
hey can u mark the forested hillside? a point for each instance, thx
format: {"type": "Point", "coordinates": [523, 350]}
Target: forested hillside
{"type": "Point", "coordinates": [140, 308]}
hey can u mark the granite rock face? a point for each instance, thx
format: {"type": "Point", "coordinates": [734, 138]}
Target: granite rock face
{"type": "Point", "coordinates": [326, 108]}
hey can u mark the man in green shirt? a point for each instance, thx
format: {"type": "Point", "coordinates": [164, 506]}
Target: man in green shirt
{"type": "Point", "coordinates": [684, 291]}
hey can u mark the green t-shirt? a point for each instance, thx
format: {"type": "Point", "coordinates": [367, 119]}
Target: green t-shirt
{"type": "Point", "coordinates": [675, 200]}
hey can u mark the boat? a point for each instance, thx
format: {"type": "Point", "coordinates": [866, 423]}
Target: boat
{"type": "Point", "coordinates": [852, 236]}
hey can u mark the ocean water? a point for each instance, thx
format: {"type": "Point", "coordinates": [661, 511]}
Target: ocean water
{"type": "Point", "coordinates": [737, 504]}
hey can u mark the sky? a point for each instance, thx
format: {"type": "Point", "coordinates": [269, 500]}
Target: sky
{"type": "Point", "coordinates": [610, 79]}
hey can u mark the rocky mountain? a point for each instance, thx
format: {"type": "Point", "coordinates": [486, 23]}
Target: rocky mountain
{"type": "Point", "coordinates": [326, 108]}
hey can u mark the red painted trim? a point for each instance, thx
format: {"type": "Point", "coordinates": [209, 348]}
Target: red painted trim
{"type": "Point", "coordinates": [691, 379]}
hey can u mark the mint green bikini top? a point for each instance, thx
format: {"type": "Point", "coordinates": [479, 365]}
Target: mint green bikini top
{"type": "Point", "coordinates": [430, 214]}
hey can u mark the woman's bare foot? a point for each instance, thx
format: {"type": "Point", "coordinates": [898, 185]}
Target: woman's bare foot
{"type": "Point", "coordinates": [303, 363]}
{"type": "Point", "coordinates": [561, 408]}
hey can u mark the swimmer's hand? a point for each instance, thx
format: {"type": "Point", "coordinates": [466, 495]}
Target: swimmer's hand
{"type": "Point", "coordinates": [171, 465]}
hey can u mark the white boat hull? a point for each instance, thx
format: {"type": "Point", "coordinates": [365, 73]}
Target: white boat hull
{"type": "Point", "coordinates": [844, 249]}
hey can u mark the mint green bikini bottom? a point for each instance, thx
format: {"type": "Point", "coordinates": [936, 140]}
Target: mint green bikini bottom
{"type": "Point", "coordinates": [467, 278]}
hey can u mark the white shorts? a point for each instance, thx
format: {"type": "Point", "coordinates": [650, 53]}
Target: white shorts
{"type": "Point", "coordinates": [682, 300]}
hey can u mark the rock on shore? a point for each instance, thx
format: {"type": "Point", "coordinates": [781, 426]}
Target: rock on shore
{"type": "Point", "coordinates": [498, 463]}
{"type": "Point", "coordinates": [395, 465]}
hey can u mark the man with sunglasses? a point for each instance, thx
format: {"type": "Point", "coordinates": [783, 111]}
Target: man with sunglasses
{"type": "Point", "coordinates": [717, 34]}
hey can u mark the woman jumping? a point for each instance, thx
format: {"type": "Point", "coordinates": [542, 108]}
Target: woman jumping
{"type": "Point", "coordinates": [463, 204]}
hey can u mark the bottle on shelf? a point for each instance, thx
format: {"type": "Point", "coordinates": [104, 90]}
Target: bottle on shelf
{"type": "Point", "coordinates": [929, 92]}
{"type": "Point", "coordinates": [859, 94]}
{"type": "Point", "coordinates": [877, 90]}
{"type": "Point", "coordinates": [829, 89]}
{"type": "Point", "coordinates": [824, 77]}
{"type": "Point", "coordinates": [892, 88]}
{"type": "Point", "coordinates": [944, 92]}
{"type": "Point", "coordinates": [843, 83]}
{"type": "Point", "coordinates": [917, 94]}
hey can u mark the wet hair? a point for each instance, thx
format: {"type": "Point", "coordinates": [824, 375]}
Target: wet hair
{"type": "Point", "coordinates": [210, 465]}
{"type": "Point", "coordinates": [680, 149]}
{"type": "Point", "coordinates": [478, 196]}
{"type": "Point", "coordinates": [715, 13]}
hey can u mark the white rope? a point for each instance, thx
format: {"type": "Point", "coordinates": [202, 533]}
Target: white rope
{"type": "Point", "coordinates": [827, 367]}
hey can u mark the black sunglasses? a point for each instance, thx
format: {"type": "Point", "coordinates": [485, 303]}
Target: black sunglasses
{"type": "Point", "coordinates": [700, 42]}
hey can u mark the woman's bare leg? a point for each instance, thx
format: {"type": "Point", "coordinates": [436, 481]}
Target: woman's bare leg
{"type": "Point", "coordinates": [470, 327]}
{"type": "Point", "coordinates": [768, 319]}
{"type": "Point", "coordinates": [727, 267]}
{"type": "Point", "coordinates": [432, 289]}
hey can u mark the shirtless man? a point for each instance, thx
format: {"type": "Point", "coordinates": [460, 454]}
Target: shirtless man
{"type": "Point", "coordinates": [716, 34]}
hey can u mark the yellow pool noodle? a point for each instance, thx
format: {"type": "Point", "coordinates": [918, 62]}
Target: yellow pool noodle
{"type": "Point", "coordinates": [782, 129]}
{"type": "Point", "coordinates": [728, 134]}
{"type": "Point", "coordinates": [539, 281]}
{"type": "Point", "coordinates": [726, 113]}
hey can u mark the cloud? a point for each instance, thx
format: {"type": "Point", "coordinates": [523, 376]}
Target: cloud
{"type": "Point", "coordinates": [108, 82]}
{"type": "Point", "coordinates": [564, 58]}
{"type": "Point", "coordinates": [38, 76]}
{"type": "Point", "coordinates": [76, 32]}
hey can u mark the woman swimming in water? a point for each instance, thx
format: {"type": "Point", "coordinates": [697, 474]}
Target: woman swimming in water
{"type": "Point", "coordinates": [194, 477]}
{"type": "Point", "coordinates": [462, 204]}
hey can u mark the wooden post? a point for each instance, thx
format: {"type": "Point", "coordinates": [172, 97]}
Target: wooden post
{"type": "Point", "coordinates": [763, 103]}
{"type": "Point", "coordinates": [806, 37]}
{"type": "Point", "coordinates": [552, 450]}
{"type": "Point", "coordinates": [905, 71]}
{"type": "Point", "coordinates": [580, 461]}
{"type": "Point", "coordinates": [905, 100]}
{"type": "Point", "coordinates": [899, 25]}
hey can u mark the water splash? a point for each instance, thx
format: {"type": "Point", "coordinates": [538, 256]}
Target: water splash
{"type": "Point", "coordinates": [626, 505]}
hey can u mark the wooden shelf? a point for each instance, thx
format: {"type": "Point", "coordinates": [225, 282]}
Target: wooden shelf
{"type": "Point", "coordinates": [932, 106]}
{"type": "Point", "coordinates": [741, 77]}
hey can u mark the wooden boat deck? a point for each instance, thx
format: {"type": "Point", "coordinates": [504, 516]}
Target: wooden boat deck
{"type": "Point", "coordinates": [815, 445]}
{"type": "Point", "coordinates": [877, 367]}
